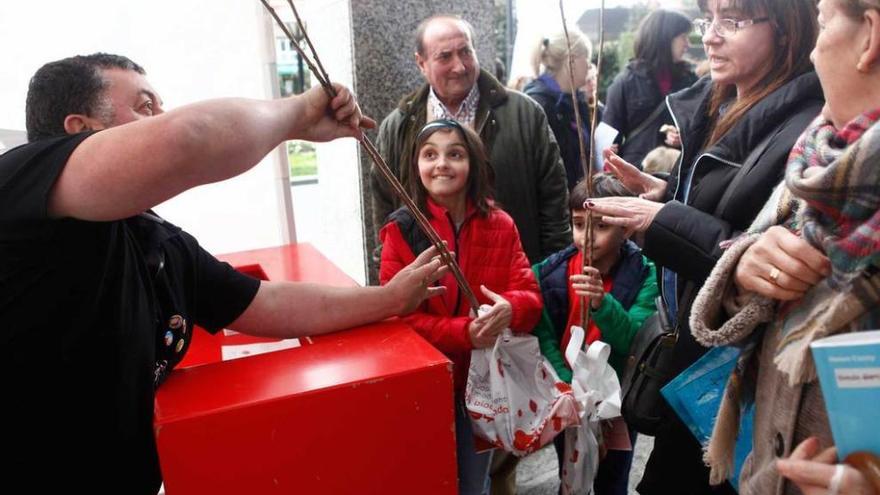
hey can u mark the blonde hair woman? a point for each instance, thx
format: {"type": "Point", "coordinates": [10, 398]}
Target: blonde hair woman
{"type": "Point", "coordinates": [553, 88]}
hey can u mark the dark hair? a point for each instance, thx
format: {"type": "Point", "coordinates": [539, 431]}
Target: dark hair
{"type": "Point", "coordinates": [794, 34]}
{"type": "Point", "coordinates": [69, 86]}
{"type": "Point", "coordinates": [500, 70]}
{"type": "Point", "coordinates": [423, 26]}
{"type": "Point", "coordinates": [480, 173]}
{"type": "Point", "coordinates": [653, 43]}
{"type": "Point", "coordinates": [604, 186]}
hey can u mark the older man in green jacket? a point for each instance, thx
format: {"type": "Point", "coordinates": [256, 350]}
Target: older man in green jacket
{"type": "Point", "coordinates": [529, 174]}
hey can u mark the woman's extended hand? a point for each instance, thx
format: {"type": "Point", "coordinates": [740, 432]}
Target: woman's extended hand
{"type": "Point", "coordinates": [814, 473]}
{"type": "Point", "coordinates": [485, 328]}
{"type": "Point", "coordinates": [633, 214]}
{"type": "Point", "coordinates": [645, 185]}
{"type": "Point", "coordinates": [780, 265]}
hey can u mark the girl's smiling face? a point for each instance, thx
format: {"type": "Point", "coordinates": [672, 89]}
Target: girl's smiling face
{"type": "Point", "coordinates": [444, 165]}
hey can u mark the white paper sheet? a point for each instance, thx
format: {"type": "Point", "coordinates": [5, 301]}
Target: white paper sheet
{"type": "Point", "coordinates": [231, 352]}
{"type": "Point", "coordinates": [605, 136]}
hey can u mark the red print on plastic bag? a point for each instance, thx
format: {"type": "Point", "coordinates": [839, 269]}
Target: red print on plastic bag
{"type": "Point", "coordinates": [522, 440]}
{"type": "Point", "coordinates": [520, 402]}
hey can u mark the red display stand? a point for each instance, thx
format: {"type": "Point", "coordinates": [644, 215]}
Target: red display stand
{"type": "Point", "coordinates": [369, 410]}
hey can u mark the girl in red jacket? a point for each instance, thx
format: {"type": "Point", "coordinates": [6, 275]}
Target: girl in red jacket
{"type": "Point", "coordinates": [451, 182]}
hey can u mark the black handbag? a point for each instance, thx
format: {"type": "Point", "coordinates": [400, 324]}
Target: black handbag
{"type": "Point", "coordinates": [648, 366]}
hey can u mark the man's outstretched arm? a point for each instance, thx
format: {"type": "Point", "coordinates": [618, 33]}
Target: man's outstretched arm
{"type": "Point", "coordinates": [124, 170]}
{"type": "Point", "coordinates": [295, 309]}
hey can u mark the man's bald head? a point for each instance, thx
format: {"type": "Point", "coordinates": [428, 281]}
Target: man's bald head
{"type": "Point", "coordinates": [445, 56]}
{"type": "Point", "coordinates": [466, 27]}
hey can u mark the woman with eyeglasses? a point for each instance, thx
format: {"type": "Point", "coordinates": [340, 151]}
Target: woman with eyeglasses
{"type": "Point", "coordinates": [635, 104]}
{"type": "Point", "coordinates": [807, 268]}
{"type": "Point", "coordinates": [737, 127]}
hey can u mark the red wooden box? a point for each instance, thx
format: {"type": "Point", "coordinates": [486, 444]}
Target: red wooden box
{"type": "Point", "coordinates": [368, 410]}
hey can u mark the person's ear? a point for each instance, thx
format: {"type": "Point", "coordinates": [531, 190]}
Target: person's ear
{"type": "Point", "coordinates": [871, 47]}
{"type": "Point", "coordinates": [76, 123]}
{"type": "Point", "coordinates": [421, 61]}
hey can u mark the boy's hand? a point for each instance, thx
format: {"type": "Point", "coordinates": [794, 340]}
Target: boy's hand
{"type": "Point", "coordinates": [589, 285]}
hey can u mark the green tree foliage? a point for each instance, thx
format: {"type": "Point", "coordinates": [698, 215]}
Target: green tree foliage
{"type": "Point", "coordinates": [610, 66]}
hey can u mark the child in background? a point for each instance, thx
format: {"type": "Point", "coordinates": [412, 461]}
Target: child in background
{"type": "Point", "coordinates": [451, 184]}
{"type": "Point", "coordinates": [621, 285]}
{"type": "Point", "coordinates": [660, 160]}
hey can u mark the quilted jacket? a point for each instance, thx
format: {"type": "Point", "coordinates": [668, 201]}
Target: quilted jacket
{"type": "Point", "coordinates": [489, 252]}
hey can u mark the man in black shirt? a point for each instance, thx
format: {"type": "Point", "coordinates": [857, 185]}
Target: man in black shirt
{"type": "Point", "coordinates": [98, 295]}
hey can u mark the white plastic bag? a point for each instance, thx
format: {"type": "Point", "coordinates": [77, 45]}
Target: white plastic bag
{"type": "Point", "coordinates": [597, 391]}
{"type": "Point", "coordinates": [514, 397]}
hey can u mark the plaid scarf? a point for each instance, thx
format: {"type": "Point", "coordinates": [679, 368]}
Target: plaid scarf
{"type": "Point", "coordinates": [837, 175]}
{"type": "Point", "coordinates": [831, 195]}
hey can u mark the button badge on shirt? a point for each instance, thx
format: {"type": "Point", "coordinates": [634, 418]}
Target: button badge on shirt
{"type": "Point", "coordinates": [169, 338]}
{"type": "Point", "coordinates": [176, 322]}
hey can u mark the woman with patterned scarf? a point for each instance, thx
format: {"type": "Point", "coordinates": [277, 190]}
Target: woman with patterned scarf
{"type": "Point", "coordinates": [807, 268]}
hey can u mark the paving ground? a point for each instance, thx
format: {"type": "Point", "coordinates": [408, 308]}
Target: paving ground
{"type": "Point", "coordinates": [536, 474]}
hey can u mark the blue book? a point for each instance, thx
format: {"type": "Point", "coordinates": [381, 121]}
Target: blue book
{"type": "Point", "coordinates": [695, 396]}
{"type": "Point", "coordinates": [849, 374]}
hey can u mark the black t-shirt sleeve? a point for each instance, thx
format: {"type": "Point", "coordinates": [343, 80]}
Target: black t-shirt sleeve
{"type": "Point", "coordinates": [223, 292]}
{"type": "Point", "coordinates": [27, 174]}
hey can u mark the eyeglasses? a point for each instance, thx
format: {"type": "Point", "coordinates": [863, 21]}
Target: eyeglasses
{"type": "Point", "coordinates": [725, 27]}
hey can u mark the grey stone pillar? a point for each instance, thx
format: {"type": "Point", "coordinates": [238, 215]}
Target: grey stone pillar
{"type": "Point", "coordinates": [385, 69]}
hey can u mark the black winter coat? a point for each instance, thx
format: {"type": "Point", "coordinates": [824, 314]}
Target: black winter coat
{"type": "Point", "coordinates": [632, 98]}
{"type": "Point", "coordinates": [685, 235]}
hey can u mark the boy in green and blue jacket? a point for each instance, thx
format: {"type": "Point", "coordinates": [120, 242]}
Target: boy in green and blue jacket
{"type": "Point", "coordinates": [621, 285]}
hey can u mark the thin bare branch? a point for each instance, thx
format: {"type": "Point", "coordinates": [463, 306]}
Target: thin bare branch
{"type": "Point", "coordinates": [324, 79]}
{"type": "Point", "coordinates": [586, 164]}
